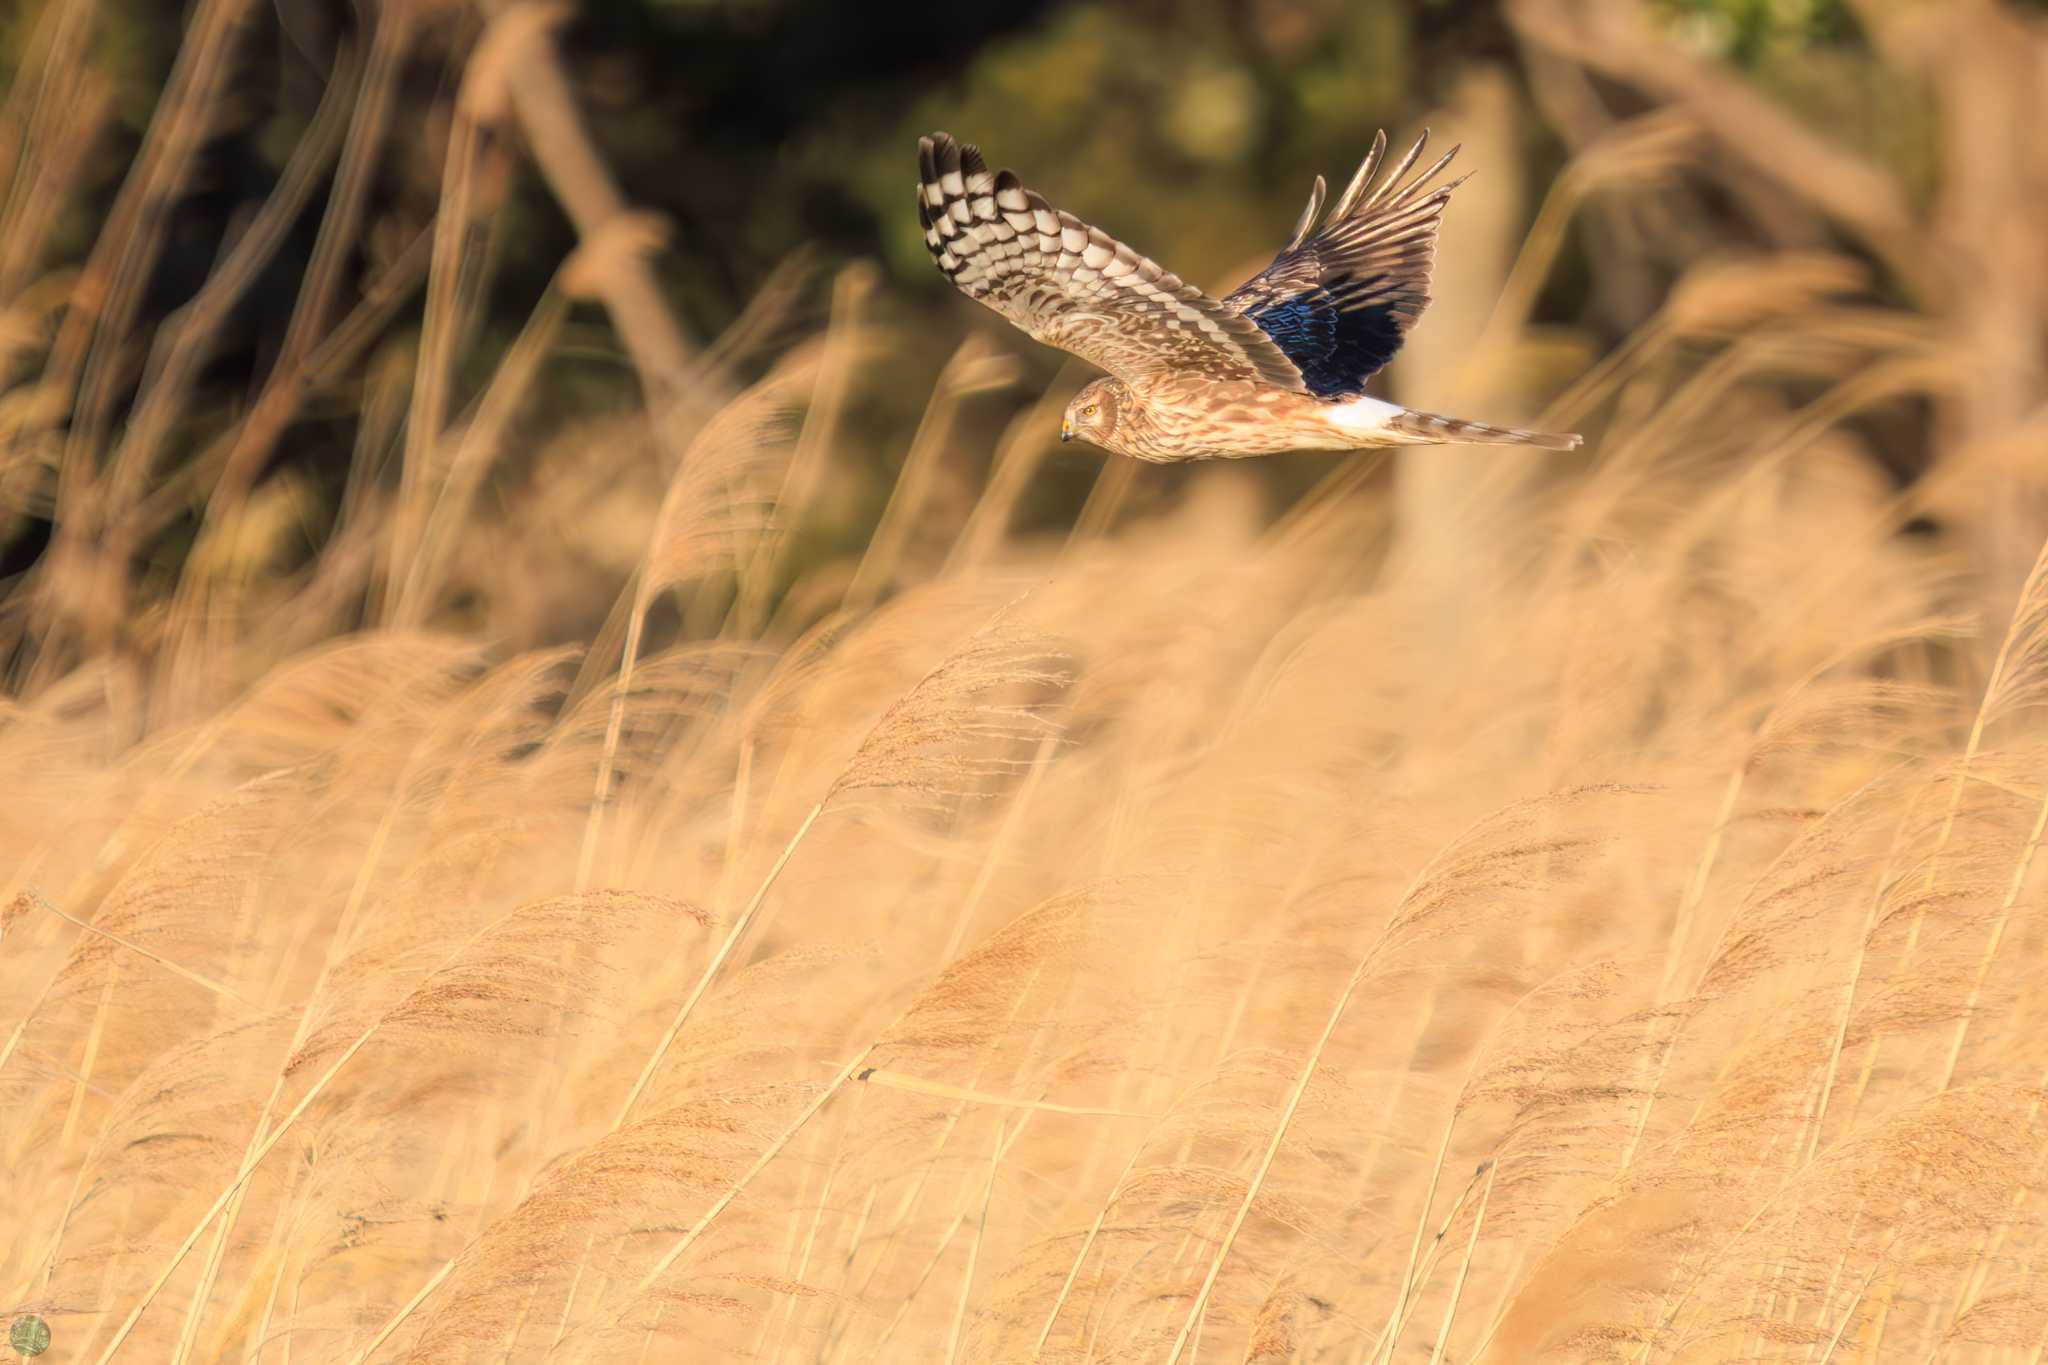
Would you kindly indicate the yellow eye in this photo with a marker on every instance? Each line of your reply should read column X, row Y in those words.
column 1088, row 411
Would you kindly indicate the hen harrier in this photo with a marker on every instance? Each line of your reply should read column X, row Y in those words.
column 1280, row 363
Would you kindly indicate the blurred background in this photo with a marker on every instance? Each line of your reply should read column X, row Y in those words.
column 221, row 217
column 582, row 777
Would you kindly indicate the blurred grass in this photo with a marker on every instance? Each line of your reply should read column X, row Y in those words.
column 609, row 792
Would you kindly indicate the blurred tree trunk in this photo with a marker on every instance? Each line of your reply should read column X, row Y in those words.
column 1986, row 60
column 1448, row 499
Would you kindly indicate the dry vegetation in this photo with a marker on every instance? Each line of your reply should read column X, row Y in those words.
column 1207, row 935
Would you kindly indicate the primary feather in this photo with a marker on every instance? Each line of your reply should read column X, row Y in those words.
column 1339, row 301
column 1074, row 286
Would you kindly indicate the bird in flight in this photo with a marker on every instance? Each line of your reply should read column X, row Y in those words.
column 1279, row 363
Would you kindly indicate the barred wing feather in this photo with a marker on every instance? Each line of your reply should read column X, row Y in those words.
column 1339, row 299
column 1074, row 286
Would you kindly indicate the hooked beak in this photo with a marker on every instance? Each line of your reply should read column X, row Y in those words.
column 1066, row 429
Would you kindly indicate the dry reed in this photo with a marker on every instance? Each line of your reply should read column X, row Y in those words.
column 1183, row 939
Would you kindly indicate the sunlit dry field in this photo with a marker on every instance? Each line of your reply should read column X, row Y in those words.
column 1589, row 913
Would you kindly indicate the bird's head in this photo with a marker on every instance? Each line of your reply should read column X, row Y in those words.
column 1092, row 415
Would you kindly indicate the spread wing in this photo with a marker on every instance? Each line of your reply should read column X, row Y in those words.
column 1340, row 300
column 1075, row 287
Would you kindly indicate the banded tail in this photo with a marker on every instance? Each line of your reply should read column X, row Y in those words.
column 1429, row 428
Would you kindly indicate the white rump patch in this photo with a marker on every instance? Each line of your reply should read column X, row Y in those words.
column 1363, row 414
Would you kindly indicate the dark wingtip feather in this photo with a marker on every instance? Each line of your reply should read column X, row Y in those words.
column 1362, row 177
column 1308, row 215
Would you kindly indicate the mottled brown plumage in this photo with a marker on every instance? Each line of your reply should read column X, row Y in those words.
column 1279, row 364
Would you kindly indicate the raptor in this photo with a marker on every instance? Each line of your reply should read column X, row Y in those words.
column 1279, row 363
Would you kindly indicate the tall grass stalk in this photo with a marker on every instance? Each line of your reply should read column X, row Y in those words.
column 1190, row 894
